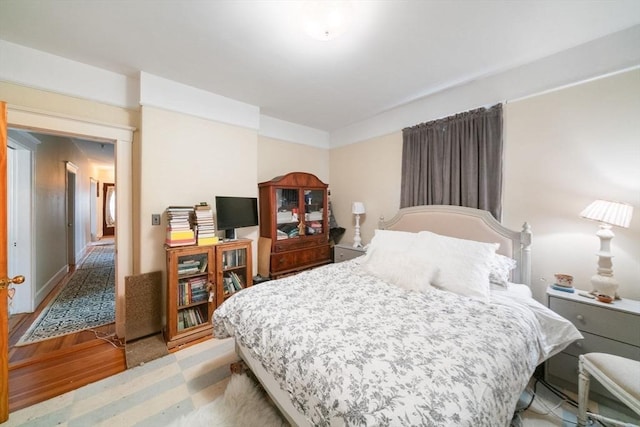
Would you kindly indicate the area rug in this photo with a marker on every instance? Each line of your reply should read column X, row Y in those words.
column 244, row 403
column 86, row 301
column 100, row 256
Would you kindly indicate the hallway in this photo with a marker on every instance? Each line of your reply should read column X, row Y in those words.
column 48, row 368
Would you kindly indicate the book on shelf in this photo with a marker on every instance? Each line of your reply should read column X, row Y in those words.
column 180, row 234
column 192, row 291
column 229, row 287
column 187, row 263
column 189, row 317
column 179, row 228
column 236, row 282
column 203, row 224
column 180, row 242
column 205, row 241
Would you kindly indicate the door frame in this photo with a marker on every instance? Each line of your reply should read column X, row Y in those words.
column 70, row 214
column 93, row 204
column 22, row 258
column 107, row 230
column 34, row 120
column 4, row 315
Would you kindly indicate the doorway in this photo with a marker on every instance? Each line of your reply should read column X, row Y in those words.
column 70, row 192
column 109, row 209
column 120, row 135
column 21, row 258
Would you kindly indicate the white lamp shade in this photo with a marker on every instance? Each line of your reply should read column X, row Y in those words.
column 357, row 208
column 614, row 213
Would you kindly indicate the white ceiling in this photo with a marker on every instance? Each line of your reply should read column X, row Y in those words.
column 256, row 52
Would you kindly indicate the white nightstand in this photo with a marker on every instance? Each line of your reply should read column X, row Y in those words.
column 607, row 328
column 346, row 251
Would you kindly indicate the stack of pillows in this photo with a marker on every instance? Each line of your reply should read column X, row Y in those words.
column 420, row 261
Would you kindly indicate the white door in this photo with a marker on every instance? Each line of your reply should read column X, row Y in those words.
column 19, row 189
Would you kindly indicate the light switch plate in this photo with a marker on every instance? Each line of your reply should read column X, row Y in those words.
column 155, row 219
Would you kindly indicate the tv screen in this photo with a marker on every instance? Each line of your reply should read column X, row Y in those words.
column 236, row 212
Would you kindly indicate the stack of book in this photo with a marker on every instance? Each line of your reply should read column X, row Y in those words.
column 232, row 283
column 192, row 266
column 203, row 222
column 192, row 291
column 179, row 231
column 190, row 317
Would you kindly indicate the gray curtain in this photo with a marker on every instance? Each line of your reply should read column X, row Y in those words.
column 454, row 161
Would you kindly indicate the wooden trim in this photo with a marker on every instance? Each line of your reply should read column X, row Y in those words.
column 4, row 314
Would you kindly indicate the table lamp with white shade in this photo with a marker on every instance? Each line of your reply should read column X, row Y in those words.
column 608, row 214
column 357, row 209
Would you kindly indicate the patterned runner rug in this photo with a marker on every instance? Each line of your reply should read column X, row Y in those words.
column 99, row 257
column 86, row 301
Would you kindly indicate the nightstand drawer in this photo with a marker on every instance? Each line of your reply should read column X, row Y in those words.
column 344, row 253
column 597, row 344
column 616, row 325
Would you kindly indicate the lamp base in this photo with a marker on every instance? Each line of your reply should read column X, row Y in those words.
column 357, row 241
column 606, row 285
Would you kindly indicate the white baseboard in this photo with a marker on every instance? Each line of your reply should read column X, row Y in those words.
column 42, row 293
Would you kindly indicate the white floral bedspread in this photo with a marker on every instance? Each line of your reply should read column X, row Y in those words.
column 352, row 350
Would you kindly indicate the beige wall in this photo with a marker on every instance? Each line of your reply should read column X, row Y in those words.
column 67, row 105
column 186, row 160
column 563, row 150
column 49, row 211
column 277, row 157
column 367, row 172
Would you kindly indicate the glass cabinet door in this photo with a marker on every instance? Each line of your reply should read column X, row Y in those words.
column 313, row 211
column 287, row 213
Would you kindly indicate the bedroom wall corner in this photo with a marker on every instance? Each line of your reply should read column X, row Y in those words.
column 564, row 149
column 278, row 157
column 368, row 172
column 186, row 160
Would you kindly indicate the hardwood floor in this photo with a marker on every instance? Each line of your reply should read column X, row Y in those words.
column 46, row 369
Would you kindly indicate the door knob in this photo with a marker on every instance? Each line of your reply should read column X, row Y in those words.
column 6, row 281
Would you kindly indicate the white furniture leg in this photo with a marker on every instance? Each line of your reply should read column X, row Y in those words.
column 583, row 393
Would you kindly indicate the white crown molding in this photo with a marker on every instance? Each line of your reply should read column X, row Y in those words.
column 42, row 70
column 170, row 95
column 292, row 132
column 598, row 58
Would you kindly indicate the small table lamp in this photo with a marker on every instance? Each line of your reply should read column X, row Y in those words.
column 608, row 213
column 357, row 209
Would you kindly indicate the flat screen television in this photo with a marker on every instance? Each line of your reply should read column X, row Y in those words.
column 235, row 212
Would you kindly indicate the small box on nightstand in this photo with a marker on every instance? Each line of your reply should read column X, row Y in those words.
column 346, row 251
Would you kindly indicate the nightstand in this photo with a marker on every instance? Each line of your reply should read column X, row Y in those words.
column 346, row 251
column 607, row 328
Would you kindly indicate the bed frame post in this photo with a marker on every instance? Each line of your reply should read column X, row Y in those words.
column 525, row 238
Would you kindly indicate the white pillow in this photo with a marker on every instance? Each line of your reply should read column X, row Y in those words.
column 393, row 258
column 500, row 270
column 463, row 264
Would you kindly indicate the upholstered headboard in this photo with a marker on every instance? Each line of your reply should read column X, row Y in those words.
column 468, row 223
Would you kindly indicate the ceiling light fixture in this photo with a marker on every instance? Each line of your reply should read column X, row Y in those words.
column 326, row 20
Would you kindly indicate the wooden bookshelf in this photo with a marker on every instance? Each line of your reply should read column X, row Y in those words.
column 191, row 296
column 196, row 278
column 234, row 268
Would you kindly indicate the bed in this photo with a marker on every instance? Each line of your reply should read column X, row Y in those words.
column 430, row 327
